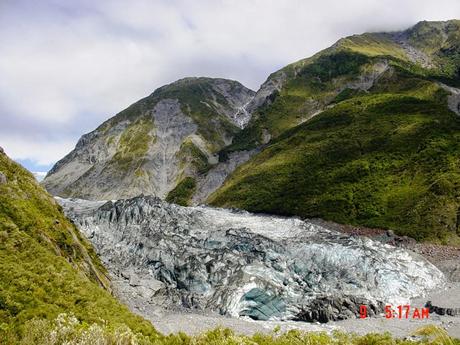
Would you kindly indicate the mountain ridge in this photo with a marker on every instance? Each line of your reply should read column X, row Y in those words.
column 415, row 68
column 354, row 179
column 154, row 144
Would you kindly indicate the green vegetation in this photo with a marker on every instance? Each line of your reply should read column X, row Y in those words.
column 314, row 83
column 372, row 45
column 313, row 87
column 67, row 330
column 183, row 192
column 190, row 154
column 386, row 159
column 46, row 267
column 133, row 144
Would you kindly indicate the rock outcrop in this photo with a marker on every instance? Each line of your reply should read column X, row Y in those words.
column 240, row 264
column 442, row 310
column 3, row 179
column 155, row 143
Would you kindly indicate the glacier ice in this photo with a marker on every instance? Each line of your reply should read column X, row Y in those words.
column 242, row 264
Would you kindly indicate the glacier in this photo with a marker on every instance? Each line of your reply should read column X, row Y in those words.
column 246, row 265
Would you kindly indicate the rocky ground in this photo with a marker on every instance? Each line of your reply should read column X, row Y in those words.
column 194, row 322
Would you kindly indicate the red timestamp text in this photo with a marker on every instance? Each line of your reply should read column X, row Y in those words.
column 399, row 312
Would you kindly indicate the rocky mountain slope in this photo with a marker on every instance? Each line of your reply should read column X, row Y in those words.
column 156, row 146
column 350, row 67
column 46, row 266
column 240, row 264
column 366, row 132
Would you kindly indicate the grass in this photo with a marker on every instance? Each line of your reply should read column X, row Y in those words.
column 315, row 82
column 134, row 143
column 183, row 192
column 190, row 154
column 313, row 87
column 46, row 266
column 387, row 157
column 372, row 45
column 66, row 329
column 53, row 288
column 387, row 160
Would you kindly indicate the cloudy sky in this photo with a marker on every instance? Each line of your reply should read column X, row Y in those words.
column 66, row 66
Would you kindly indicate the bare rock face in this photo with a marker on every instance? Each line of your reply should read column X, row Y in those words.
column 210, row 182
column 154, row 144
column 267, row 91
column 453, row 100
column 3, row 179
column 240, row 264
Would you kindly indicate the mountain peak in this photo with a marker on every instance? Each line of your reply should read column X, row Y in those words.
column 157, row 144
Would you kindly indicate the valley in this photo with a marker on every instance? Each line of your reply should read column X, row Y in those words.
column 206, row 204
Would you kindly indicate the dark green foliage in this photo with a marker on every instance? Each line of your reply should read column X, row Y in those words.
column 330, row 66
column 189, row 152
column 183, row 192
column 346, row 94
column 382, row 160
column 387, row 157
column 311, row 88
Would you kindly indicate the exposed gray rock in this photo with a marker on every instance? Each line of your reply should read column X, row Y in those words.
column 442, row 310
column 216, row 176
column 153, row 144
column 267, row 91
column 242, row 116
column 453, row 100
column 450, row 268
column 3, row 179
column 237, row 99
column 365, row 81
column 172, row 127
column 414, row 54
column 240, row 264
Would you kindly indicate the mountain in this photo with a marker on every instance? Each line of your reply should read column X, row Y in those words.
column 157, row 146
column 46, row 266
column 366, row 132
column 301, row 90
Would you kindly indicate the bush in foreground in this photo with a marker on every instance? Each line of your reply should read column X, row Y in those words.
column 66, row 329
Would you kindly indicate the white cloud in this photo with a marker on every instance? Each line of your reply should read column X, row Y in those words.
column 41, row 152
column 67, row 66
column 39, row 175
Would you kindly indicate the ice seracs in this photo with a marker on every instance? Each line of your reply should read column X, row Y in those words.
column 241, row 264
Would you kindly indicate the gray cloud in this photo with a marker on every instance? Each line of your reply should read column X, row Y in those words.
column 67, row 66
